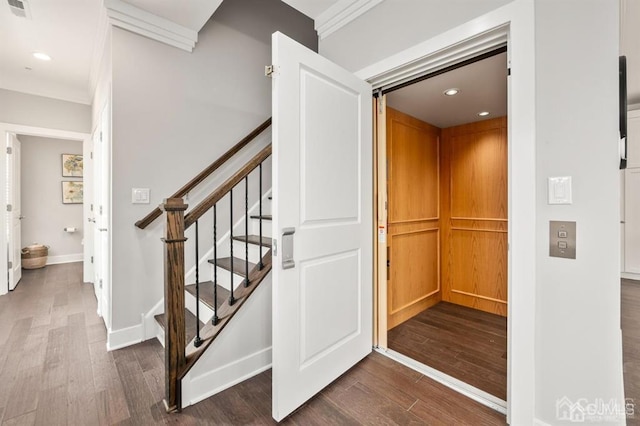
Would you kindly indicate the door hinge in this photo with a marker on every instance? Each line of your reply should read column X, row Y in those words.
column 9, row 150
column 10, row 265
column 100, row 209
column 100, row 282
column 91, row 259
column 269, row 70
column 9, row 207
column 101, row 136
column 91, row 155
column 91, row 207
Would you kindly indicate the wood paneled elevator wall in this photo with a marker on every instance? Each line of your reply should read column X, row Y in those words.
column 447, row 215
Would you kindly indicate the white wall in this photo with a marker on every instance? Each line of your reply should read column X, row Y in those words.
column 577, row 333
column 38, row 111
column 578, row 346
column 45, row 215
column 395, row 25
column 173, row 113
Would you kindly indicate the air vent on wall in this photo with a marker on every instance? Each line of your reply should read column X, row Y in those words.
column 20, row 8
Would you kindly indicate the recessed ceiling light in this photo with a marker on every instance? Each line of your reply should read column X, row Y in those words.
column 483, row 113
column 41, row 56
column 451, row 92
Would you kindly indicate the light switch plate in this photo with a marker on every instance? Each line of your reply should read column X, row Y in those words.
column 560, row 190
column 560, row 246
column 140, row 195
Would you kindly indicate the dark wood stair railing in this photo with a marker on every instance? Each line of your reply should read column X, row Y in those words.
column 189, row 186
column 180, row 354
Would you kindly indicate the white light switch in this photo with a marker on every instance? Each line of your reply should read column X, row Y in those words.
column 140, row 195
column 560, row 190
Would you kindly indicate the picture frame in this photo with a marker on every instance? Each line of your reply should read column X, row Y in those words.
column 72, row 192
column 72, row 165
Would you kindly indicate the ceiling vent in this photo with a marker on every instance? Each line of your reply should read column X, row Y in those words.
column 20, row 8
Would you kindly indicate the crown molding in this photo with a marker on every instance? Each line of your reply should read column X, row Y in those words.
column 340, row 14
column 131, row 18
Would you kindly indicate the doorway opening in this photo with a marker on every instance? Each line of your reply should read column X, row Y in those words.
column 443, row 148
column 19, row 141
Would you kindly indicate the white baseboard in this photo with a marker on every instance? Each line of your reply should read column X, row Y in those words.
column 630, row 276
column 199, row 388
column 65, row 258
column 124, row 337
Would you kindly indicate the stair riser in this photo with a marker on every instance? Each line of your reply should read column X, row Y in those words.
column 206, row 313
column 224, row 278
column 254, row 227
column 254, row 251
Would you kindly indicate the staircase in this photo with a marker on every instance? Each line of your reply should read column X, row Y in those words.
column 195, row 314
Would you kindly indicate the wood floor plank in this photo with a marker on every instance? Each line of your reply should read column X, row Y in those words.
column 23, row 395
column 370, row 407
column 25, row 419
column 464, row 343
column 52, row 407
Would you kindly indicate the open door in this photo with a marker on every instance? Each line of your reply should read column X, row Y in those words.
column 15, row 215
column 101, row 215
column 322, row 211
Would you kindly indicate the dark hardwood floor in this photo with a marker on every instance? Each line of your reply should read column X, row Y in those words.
column 630, row 324
column 464, row 343
column 55, row 370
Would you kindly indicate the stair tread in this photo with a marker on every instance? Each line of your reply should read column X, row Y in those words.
column 189, row 321
column 264, row 216
column 239, row 266
column 206, row 293
column 254, row 239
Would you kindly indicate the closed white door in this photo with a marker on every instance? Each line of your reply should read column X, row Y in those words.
column 322, row 202
column 15, row 229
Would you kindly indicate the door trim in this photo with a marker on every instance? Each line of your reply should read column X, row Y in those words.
column 512, row 24
column 5, row 129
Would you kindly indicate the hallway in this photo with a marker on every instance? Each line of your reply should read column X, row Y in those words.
column 55, row 370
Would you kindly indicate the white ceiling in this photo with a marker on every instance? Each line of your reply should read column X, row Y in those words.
column 68, row 29
column 64, row 29
column 482, row 85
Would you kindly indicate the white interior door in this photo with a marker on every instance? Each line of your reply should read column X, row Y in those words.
column 87, row 209
column 322, row 187
column 13, row 180
column 101, row 210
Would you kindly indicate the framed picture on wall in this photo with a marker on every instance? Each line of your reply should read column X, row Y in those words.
column 72, row 165
column 72, row 192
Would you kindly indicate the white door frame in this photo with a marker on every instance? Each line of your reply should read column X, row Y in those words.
column 5, row 129
column 513, row 23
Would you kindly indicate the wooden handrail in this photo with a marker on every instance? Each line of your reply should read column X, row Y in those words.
column 157, row 212
column 223, row 189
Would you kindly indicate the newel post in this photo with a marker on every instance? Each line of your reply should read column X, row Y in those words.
column 174, row 336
